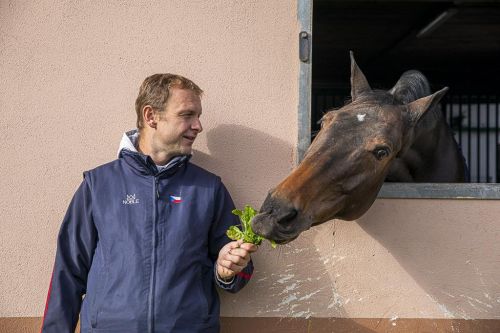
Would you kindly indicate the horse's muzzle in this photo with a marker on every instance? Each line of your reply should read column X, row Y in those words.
column 278, row 220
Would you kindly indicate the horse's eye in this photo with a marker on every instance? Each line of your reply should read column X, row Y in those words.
column 381, row 153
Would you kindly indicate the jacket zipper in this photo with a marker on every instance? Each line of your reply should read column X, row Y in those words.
column 156, row 196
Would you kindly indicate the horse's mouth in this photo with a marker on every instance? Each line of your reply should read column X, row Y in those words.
column 282, row 239
column 286, row 241
column 268, row 227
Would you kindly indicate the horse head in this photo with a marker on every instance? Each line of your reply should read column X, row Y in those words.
column 346, row 164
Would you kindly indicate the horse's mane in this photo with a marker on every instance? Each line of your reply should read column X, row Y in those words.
column 411, row 86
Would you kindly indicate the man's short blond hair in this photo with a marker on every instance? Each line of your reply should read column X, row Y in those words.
column 155, row 91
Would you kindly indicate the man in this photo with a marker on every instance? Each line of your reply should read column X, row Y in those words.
column 144, row 237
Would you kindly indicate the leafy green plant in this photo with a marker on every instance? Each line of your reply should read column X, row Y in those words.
column 246, row 233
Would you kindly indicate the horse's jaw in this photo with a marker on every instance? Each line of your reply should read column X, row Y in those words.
column 267, row 226
column 280, row 221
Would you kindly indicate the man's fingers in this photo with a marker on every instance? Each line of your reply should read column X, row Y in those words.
column 232, row 245
column 240, row 244
column 223, row 268
column 228, row 264
column 235, row 256
column 249, row 247
column 236, row 259
column 239, row 252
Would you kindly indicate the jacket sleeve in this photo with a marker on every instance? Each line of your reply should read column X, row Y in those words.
column 223, row 219
column 75, row 248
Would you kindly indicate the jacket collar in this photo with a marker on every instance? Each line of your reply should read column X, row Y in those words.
column 144, row 163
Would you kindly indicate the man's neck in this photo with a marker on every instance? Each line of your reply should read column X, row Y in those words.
column 146, row 147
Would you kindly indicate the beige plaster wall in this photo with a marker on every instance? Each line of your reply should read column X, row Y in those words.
column 403, row 259
column 70, row 73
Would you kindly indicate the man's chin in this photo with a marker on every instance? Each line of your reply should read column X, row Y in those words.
column 186, row 150
column 179, row 151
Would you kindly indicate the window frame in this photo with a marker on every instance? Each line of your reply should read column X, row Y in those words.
column 483, row 191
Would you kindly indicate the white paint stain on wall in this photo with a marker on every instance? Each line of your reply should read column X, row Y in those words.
column 336, row 300
column 472, row 301
column 299, row 295
column 286, row 278
column 289, row 288
column 288, row 299
column 444, row 310
column 393, row 320
column 331, row 259
column 309, row 295
column 447, row 313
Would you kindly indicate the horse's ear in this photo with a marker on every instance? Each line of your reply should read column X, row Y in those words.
column 417, row 108
column 359, row 84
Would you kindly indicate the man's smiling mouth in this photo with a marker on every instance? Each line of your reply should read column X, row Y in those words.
column 190, row 138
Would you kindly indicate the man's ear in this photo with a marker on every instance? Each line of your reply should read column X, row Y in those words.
column 149, row 116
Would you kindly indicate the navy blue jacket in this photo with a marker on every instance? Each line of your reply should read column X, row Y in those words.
column 140, row 248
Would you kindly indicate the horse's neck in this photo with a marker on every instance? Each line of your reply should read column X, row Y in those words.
column 434, row 155
column 430, row 135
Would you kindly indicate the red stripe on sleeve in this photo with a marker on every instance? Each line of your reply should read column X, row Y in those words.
column 47, row 301
column 244, row 275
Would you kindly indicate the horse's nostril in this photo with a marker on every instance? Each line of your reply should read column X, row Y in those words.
column 286, row 216
column 291, row 214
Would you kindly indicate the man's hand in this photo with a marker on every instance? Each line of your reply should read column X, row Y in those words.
column 233, row 257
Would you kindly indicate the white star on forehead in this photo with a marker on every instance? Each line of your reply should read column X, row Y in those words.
column 361, row 117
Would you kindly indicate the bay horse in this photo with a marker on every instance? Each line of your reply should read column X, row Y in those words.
column 395, row 135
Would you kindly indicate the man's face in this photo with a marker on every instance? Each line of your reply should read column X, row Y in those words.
column 179, row 124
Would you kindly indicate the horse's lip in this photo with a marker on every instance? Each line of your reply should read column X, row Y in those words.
column 285, row 241
column 279, row 233
column 281, row 239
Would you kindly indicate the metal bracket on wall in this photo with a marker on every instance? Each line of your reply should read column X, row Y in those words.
column 304, row 46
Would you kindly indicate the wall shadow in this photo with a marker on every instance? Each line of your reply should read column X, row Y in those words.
column 292, row 280
column 453, row 256
column 292, row 286
column 249, row 161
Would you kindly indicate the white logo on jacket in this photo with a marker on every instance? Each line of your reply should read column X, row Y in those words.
column 131, row 199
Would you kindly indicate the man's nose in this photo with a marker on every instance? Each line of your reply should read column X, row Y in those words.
column 197, row 125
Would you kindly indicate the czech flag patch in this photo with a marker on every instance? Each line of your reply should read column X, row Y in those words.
column 174, row 199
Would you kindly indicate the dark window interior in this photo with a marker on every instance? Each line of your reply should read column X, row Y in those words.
column 454, row 43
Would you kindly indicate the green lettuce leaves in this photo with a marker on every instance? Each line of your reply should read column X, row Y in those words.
column 246, row 233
